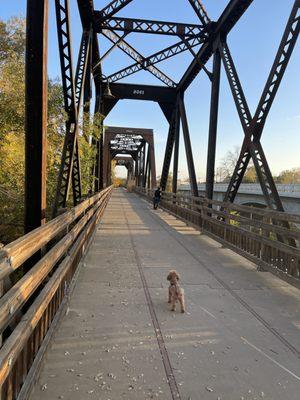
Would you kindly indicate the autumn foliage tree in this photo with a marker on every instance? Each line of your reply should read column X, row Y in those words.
column 12, row 97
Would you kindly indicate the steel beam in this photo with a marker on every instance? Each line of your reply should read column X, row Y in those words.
column 82, row 65
column 188, row 148
column 213, row 124
column 70, row 163
column 168, row 152
column 152, row 163
column 232, row 13
column 113, row 7
column 128, row 91
column 201, row 12
column 135, row 55
column 36, row 82
column 176, row 149
column 253, row 127
column 146, row 26
column 162, row 55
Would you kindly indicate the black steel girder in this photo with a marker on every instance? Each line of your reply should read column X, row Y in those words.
column 113, row 7
column 201, row 12
column 86, row 12
column 253, row 127
column 73, row 92
column 146, row 26
column 150, row 61
column 232, row 13
column 36, row 85
column 135, row 55
column 142, row 92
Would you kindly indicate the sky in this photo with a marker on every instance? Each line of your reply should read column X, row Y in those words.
column 253, row 43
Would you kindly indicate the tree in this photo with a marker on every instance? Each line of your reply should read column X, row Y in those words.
column 227, row 166
column 250, row 175
column 289, row 176
column 12, row 118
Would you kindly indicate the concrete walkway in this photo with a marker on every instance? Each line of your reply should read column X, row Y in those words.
column 240, row 337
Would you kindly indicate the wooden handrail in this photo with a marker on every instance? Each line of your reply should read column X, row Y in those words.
column 16, row 253
column 34, row 325
column 17, row 296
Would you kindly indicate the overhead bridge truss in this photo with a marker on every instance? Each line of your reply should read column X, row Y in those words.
column 138, row 145
column 202, row 40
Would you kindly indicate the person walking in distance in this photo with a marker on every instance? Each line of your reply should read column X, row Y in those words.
column 157, row 197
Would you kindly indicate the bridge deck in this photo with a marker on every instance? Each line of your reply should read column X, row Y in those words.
column 118, row 340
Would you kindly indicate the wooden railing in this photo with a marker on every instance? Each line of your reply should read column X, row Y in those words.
column 268, row 238
column 30, row 309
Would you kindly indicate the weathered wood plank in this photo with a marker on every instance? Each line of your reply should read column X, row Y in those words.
column 16, row 253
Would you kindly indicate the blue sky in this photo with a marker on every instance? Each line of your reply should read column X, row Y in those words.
column 253, row 43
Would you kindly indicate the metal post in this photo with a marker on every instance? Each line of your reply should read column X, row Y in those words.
column 188, row 149
column 213, row 124
column 176, row 151
column 136, row 171
column 152, row 165
column 36, row 113
column 147, row 170
column 144, row 165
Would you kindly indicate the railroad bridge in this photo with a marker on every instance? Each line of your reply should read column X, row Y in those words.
column 86, row 315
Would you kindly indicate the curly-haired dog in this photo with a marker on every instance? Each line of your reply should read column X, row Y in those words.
column 175, row 291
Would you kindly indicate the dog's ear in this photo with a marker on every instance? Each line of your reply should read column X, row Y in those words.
column 177, row 276
column 169, row 277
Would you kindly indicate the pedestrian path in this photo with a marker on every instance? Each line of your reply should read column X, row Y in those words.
column 118, row 339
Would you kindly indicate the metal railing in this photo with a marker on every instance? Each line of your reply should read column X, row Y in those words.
column 270, row 239
column 31, row 307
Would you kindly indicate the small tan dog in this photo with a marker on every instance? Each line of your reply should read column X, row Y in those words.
column 175, row 291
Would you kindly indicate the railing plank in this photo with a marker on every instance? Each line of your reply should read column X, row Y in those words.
column 16, row 253
column 22, row 346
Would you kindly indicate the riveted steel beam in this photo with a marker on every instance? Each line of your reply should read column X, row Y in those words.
column 140, row 60
column 231, row 15
column 200, row 11
column 113, row 7
column 36, row 113
column 149, row 62
column 146, row 26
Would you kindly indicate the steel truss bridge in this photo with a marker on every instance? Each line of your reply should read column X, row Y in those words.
column 39, row 271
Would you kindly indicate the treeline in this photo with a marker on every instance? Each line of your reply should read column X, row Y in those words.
column 12, row 68
column 228, row 163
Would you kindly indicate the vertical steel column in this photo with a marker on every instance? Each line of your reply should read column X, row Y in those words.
column 176, row 150
column 152, row 163
column 188, row 148
column 147, row 169
column 213, row 125
column 140, row 179
column 169, row 150
column 144, row 165
column 136, row 170
column 36, row 113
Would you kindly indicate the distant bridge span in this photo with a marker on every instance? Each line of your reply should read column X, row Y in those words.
column 251, row 194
